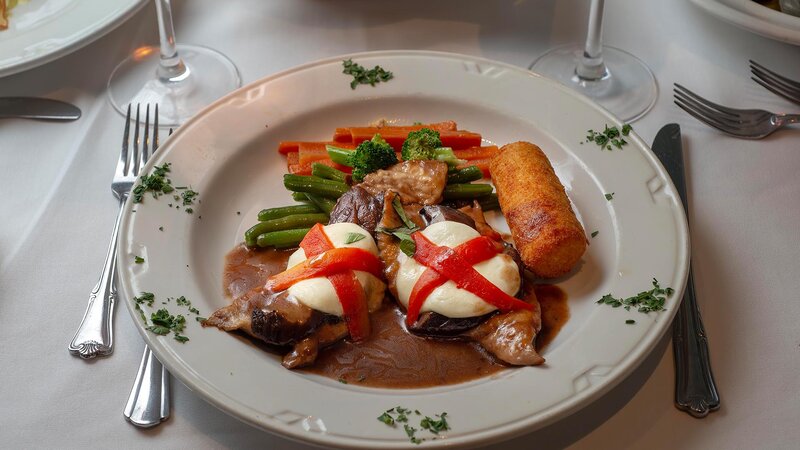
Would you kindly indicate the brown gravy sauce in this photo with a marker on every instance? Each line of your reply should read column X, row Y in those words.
column 392, row 357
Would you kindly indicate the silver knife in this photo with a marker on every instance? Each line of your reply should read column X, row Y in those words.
column 37, row 108
column 695, row 390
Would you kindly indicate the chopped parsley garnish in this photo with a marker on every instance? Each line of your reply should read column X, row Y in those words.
column 138, row 259
column 188, row 196
column 630, row 321
column 181, row 301
column 160, row 228
column 363, row 76
column 189, row 210
column 145, row 298
column 595, row 233
column 200, row 319
column 386, row 418
column 156, row 183
column 644, row 302
column 398, row 414
column 353, row 237
column 435, row 426
column 609, row 137
column 342, row 380
column 164, row 322
column 610, row 196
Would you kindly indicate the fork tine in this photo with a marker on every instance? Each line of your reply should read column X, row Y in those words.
column 123, row 156
column 145, row 138
column 705, row 119
column 135, row 153
column 723, row 109
column 795, row 85
column 775, row 80
column 708, row 112
column 775, row 90
column 154, row 144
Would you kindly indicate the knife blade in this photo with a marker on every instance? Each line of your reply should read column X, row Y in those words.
column 695, row 389
column 37, row 108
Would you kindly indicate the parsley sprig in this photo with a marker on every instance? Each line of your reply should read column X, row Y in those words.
column 610, row 136
column 645, row 301
column 363, row 76
column 398, row 415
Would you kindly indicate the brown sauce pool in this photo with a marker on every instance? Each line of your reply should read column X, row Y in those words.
column 392, row 357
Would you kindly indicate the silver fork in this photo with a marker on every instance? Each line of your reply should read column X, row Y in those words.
column 95, row 335
column 743, row 123
column 775, row 83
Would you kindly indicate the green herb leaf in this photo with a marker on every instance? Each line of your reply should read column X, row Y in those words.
column 363, row 76
column 386, row 418
column 401, row 212
column 188, row 197
column 342, row 380
column 145, row 297
column 435, row 426
column 180, row 338
column 610, row 196
column 158, row 329
column 595, row 233
column 353, row 237
column 138, row 259
column 630, row 321
column 626, row 129
column 200, row 319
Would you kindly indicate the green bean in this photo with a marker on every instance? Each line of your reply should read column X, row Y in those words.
column 328, row 172
column 300, row 197
column 314, row 185
column 283, row 211
column 465, row 175
column 466, row 191
column 282, row 239
column 324, row 204
column 339, row 155
column 283, row 223
column 489, row 203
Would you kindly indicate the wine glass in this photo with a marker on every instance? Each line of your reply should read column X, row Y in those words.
column 617, row 80
column 182, row 79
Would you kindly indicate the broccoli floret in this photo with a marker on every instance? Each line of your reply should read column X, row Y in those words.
column 426, row 144
column 370, row 156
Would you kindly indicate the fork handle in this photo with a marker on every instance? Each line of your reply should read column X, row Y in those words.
column 148, row 403
column 695, row 390
column 95, row 336
column 786, row 119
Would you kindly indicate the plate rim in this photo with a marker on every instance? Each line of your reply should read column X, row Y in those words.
column 757, row 24
column 560, row 410
column 89, row 35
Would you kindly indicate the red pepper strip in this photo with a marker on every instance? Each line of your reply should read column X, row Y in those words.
column 349, row 291
column 332, row 261
column 447, row 262
column 473, row 251
column 354, row 303
column 316, row 241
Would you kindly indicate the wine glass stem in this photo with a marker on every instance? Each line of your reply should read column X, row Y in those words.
column 590, row 65
column 171, row 67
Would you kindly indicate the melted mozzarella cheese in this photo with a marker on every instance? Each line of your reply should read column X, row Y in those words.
column 318, row 293
column 447, row 299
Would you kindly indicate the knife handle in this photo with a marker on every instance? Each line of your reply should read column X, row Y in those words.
column 695, row 390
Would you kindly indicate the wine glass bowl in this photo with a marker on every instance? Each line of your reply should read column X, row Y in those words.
column 614, row 78
column 181, row 78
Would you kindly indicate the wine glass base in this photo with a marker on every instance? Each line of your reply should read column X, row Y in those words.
column 628, row 90
column 209, row 76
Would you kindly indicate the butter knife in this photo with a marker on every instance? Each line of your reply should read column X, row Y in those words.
column 37, row 108
column 695, row 390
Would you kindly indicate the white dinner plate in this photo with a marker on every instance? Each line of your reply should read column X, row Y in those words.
column 754, row 17
column 40, row 31
column 228, row 154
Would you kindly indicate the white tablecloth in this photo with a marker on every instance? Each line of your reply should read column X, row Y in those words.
column 56, row 212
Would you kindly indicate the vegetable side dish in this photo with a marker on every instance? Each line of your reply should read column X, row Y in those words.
column 388, row 274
